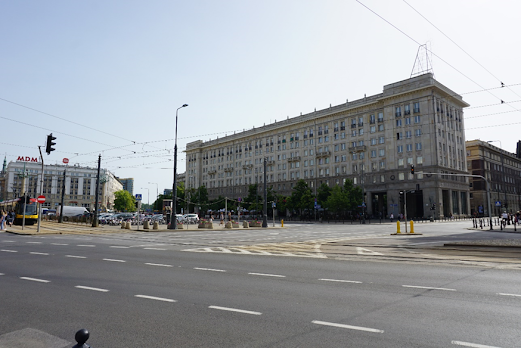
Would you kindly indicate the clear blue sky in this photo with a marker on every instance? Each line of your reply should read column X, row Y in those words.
column 105, row 77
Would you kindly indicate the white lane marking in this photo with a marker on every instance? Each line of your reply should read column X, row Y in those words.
column 89, row 288
column 119, row 247
column 37, row 253
column 153, row 249
column 34, row 242
column 474, row 345
column 8, row 241
column 427, row 287
column 36, row 280
column 59, row 244
column 343, row 326
column 86, row 245
column 156, row 298
column 235, row 310
column 341, row 281
column 503, row 294
column 76, row 257
column 114, row 260
column 2, row 274
column 268, row 275
column 9, row 251
column 209, row 269
column 158, row 264
column 363, row 251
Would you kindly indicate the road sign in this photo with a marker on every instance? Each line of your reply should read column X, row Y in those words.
column 363, row 204
column 139, row 196
column 239, row 199
column 41, row 199
column 498, row 204
column 273, row 205
column 65, row 160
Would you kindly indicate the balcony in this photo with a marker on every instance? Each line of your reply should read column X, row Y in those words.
column 229, row 169
column 294, row 159
column 247, row 166
column 323, row 154
column 357, row 148
column 380, row 120
column 343, row 128
column 212, row 172
column 319, row 132
column 270, row 163
column 353, row 125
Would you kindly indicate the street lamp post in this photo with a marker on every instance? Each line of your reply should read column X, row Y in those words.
column 173, row 222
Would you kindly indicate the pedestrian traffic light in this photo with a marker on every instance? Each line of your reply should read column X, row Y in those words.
column 49, row 147
column 412, row 168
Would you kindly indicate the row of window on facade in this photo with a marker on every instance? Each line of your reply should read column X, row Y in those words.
column 407, row 109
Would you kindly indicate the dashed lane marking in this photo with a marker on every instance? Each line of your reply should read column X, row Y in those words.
column 114, row 260
column 89, row 288
column 473, row 345
column 37, row 253
column 9, row 251
column 76, row 257
column 267, row 275
column 427, row 288
column 504, row 294
column 343, row 326
column 235, row 310
column 209, row 269
column 157, row 264
column 341, row 281
column 36, row 280
column 156, row 298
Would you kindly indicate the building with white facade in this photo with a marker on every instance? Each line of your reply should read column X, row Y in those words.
column 372, row 141
column 80, row 184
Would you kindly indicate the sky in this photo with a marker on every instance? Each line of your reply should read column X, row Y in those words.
column 106, row 77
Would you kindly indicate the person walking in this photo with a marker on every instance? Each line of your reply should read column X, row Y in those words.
column 2, row 220
column 10, row 218
column 391, row 217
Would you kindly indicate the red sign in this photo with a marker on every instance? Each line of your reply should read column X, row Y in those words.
column 41, row 199
column 65, row 160
column 27, row 159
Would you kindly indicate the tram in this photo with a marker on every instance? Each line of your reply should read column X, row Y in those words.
column 17, row 205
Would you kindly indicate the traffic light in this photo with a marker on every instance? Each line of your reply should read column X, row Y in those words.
column 49, row 147
column 412, row 168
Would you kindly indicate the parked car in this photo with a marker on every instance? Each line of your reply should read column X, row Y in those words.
column 190, row 218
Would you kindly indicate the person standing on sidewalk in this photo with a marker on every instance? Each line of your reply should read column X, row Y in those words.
column 10, row 218
column 3, row 216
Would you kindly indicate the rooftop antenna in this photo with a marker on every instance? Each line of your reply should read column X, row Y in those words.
column 423, row 62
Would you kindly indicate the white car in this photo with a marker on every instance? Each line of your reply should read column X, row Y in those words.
column 190, row 218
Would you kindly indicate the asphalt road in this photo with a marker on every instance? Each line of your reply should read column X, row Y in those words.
column 143, row 290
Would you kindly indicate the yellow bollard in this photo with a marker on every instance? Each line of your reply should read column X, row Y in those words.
column 281, row 223
column 398, row 226
column 412, row 226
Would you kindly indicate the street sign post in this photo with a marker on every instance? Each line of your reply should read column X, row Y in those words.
column 41, row 199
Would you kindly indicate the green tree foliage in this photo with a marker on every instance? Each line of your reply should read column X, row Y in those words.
column 124, row 201
column 323, row 193
column 301, row 197
column 354, row 195
column 337, row 200
column 253, row 201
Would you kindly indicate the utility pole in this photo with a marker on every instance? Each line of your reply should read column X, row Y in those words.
column 41, row 193
column 265, row 204
column 95, row 222
column 63, row 196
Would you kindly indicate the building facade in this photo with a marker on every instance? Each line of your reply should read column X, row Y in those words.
column 503, row 171
column 372, row 141
column 80, row 184
column 128, row 185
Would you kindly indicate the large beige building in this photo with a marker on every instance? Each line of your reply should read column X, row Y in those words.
column 503, row 171
column 372, row 141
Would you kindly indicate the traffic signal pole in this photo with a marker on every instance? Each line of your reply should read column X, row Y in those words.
column 41, row 193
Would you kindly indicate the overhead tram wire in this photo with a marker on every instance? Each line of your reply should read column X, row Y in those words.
column 468, row 54
column 440, row 58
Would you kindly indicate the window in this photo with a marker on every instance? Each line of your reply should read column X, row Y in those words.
column 381, row 152
column 398, row 111
column 361, row 155
column 409, row 147
column 361, row 131
column 372, row 119
column 381, row 140
column 373, row 141
column 417, row 119
column 320, row 140
column 380, row 127
column 380, row 117
column 408, row 134
column 418, row 146
column 407, row 120
column 409, row 160
column 372, row 129
column 407, row 109
column 326, row 138
column 400, row 148
column 418, row 132
column 399, row 136
column 382, row 165
column 354, row 157
column 400, row 162
column 401, row 176
column 398, row 123
column 373, row 153
column 416, row 107
column 353, row 133
column 419, row 160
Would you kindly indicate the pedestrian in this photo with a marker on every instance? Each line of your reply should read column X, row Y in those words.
column 2, row 220
column 391, row 217
column 10, row 218
column 222, row 219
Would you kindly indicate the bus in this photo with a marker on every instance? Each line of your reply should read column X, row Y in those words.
column 17, row 205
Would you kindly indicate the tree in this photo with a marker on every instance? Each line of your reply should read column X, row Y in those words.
column 337, row 201
column 323, row 193
column 124, row 201
column 354, row 194
column 301, row 197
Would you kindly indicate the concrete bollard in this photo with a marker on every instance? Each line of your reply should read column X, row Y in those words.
column 127, row 225
column 123, row 224
column 156, row 225
column 245, row 224
column 146, row 225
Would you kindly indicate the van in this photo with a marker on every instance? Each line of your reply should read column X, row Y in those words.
column 71, row 211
